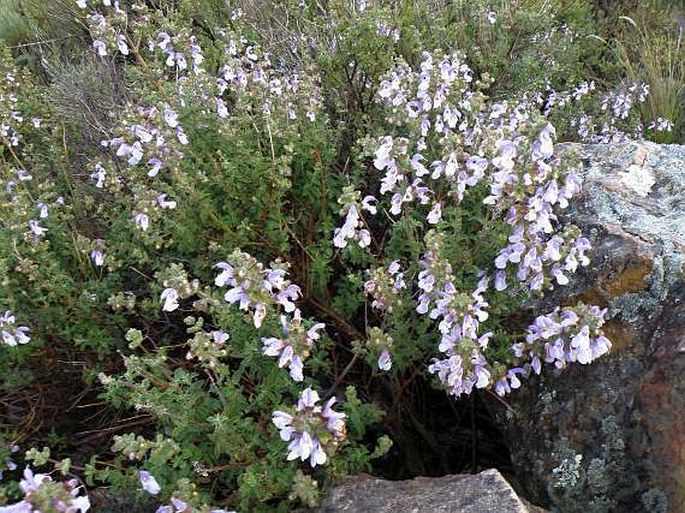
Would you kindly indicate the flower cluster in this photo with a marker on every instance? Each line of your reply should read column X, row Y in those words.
column 248, row 70
column 41, row 493
column 176, row 505
column 11, row 334
column 560, row 337
column 380, row 343
column 154, row 138
column 384, row 286
column 176, row 59
column 465, row 365
column 539, row 259
column 177, row 286
column 149, row 205
column 207, row 347
column 607, row 117
column 443, row 112
column 566, row 336
column 107, row 30
column 11, row 117
column 313, row 431
column 255, row 287
column 353, row 228
column 295, row 345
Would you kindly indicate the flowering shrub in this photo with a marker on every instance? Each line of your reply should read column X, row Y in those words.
column 41, row 493
column 306, row 209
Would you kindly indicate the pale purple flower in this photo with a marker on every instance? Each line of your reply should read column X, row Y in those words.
column 286, row 297
column 170, row 297
column 304, row 430
column 142, row 221
column 238, row 295
column 135, row 152
column 259, row 315
column 181, row 136
column 7, row 318
column 348, row 229
column 500, row 281
column 600, row 346
column 100, row 175
column 100, row 47
column 97, row 257
column 368, row 204
column 20, row 335
column 543, row 147
column 142, row 133
column 43, row 209
column 580, row 346
column 225, row 277
column 384, row 360
column 19, row 507
column 36, row 229
column 164, row 203
column 363, row 238
column 149, row 483
column 156, row 166
column 170, row 117
column 31, row 482
column 24, row 176
column 435, row 214
column 121, row 44
column 163, row 40
column 220, row 337
column 335, row 421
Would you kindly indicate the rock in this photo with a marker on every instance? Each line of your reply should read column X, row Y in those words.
column 610, row 436
column 487, row 492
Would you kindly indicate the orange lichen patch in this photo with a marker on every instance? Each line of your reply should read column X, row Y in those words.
column 630, row 280
column 621, row 336
column 589, row 297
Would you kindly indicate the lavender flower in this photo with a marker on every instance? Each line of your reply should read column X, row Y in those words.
column 164, row 203
column 142, row 221
column 12, row 335
column 384, row 360
column 295, row 345
column 36, row 228
column 39, row 487
column 254, row 287
column 149, row 483
column 565, row 336
column 122, row 45
column 311, row 430
column 385, row 287
column 170, row 297
column 100, row 47
column 97, row 257
column 171, row 117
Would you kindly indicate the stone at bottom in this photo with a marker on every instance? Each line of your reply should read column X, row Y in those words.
column 486, row 492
